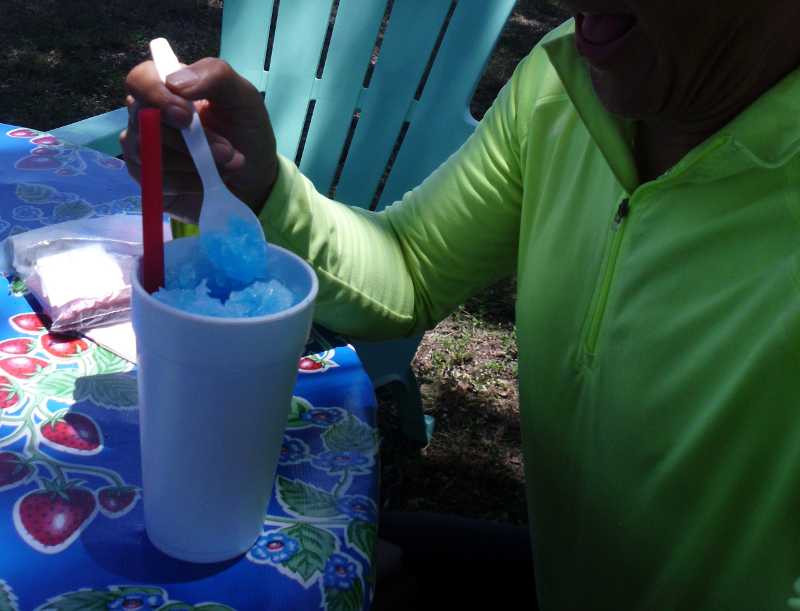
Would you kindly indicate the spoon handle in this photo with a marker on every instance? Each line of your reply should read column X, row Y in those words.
column 197, row 143
column 195, row 137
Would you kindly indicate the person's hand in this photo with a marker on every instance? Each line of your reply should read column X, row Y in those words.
column 236, row 122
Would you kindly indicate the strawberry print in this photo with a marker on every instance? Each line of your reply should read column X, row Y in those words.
column 112, row 163
column 47, row 151
column 18, row 345
column 22, row 132
column 50, row 520
column 27, row 323
column 317, row 363
column 116, row 501
column 13, row 470
column 23, row 367
column 9, row 396
column 62, row 346
column 37, row 162
column 73, row 432
column 308, row 364
column 46, row 140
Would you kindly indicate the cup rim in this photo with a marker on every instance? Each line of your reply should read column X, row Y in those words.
column 232, row 320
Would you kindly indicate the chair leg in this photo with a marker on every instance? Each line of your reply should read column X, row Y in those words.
column 415, row 425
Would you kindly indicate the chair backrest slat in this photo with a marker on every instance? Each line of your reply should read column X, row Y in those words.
column 322, row 110
column 299, row 36
column 243, row 44
column 409, row 40
column 337, row 92
column 442, row 120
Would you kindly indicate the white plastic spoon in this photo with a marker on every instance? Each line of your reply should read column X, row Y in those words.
column 219, row 204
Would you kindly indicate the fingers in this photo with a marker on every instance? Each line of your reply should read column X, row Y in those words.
column 146, row 89
column 129, row 139
column 184, row 207
column 174, row 182
column 227, row 104
column 214, row 80
column 183, row 193
column 176, row 156
column 209, row 79
column 182, row 186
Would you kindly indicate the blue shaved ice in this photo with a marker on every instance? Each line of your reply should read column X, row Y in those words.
column 227, row 277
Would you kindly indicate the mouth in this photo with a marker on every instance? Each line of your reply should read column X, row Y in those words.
column 600, row 37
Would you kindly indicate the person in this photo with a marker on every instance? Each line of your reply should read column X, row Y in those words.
column 640, row 174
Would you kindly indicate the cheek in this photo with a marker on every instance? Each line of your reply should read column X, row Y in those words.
column 698, row 63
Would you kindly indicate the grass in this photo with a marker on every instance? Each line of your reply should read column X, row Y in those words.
column 467, row 370
column 64, row 61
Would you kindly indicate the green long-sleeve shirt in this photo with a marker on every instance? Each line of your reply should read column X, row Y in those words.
column 659, row 351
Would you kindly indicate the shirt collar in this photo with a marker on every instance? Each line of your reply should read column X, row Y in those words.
column 769, row 129
column 766, row 134
column 611, row 133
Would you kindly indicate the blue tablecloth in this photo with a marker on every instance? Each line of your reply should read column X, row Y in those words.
column 71, row 525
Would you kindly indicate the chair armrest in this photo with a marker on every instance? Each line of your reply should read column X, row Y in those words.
column 100, row 132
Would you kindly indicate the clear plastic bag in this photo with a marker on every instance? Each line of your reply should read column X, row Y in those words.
column 78, row 271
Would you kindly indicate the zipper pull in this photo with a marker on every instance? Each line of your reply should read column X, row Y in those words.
column 622, row 211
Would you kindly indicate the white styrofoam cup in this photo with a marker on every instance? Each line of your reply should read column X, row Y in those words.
column 214, row 396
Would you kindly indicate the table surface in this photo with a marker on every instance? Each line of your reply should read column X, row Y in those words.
column 71, row 525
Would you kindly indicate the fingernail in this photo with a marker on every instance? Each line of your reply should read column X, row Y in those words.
column 177, row 115
column 185, row 77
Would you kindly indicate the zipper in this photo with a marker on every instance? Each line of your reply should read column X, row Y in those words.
column 600, row 301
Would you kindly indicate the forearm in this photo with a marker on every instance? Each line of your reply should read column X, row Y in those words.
column 400, row 271
column 365, row 289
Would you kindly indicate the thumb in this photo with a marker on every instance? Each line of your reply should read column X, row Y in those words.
column 214, row 80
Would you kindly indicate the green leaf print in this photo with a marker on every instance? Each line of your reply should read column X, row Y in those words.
column 70, row 211
column 8, row 601
column 112, row 390
column 351, row 435
column 306, row 500
column 59, row 384
column 120, row 591
column 108, row 362
column 362, row 536
column 36, row 194
column 82, row 600
column 345, row 600
column 298, row 407
column 17, row 288
column 316, row 546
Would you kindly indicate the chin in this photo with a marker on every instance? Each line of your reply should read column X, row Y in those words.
column 618, row 99
column 630, row 98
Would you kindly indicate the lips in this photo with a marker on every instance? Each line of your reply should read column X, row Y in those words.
column 601, row 38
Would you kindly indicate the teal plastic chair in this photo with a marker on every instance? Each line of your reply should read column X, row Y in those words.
column 366, row 119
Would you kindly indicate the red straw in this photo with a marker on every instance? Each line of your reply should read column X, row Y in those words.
column 152, row 199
